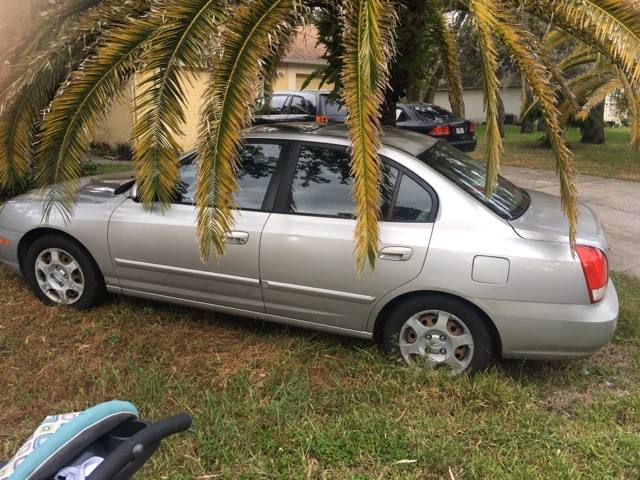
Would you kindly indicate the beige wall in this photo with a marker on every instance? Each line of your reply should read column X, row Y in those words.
column 291, row 76
column 118, row 125
column 474, row 102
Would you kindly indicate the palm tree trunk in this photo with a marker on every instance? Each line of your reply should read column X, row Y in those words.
column 593, row 128
column 389, row 108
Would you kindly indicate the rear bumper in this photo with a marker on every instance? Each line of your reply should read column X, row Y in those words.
column 553, row 331
column 467, row 145
column 9, row 249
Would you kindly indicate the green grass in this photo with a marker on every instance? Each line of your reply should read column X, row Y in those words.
column 113, row 168
column 274, row 402
column 614, row 159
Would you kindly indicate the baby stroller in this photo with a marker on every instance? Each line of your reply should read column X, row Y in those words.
column 106, row 442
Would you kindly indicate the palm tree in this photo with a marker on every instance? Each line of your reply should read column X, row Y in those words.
column 79, row 64
column 588, row 78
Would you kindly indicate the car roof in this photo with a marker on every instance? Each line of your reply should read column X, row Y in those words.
column 409, row 142
column 301, row 92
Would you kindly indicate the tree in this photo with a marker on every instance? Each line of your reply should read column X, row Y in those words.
column 592, row 129
column 585, row 79
column 76, row 66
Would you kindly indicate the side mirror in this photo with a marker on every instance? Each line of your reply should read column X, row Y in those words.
column 133, row 193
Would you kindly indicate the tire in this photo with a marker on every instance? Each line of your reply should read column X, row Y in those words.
column 61, row 272
column 435, row 330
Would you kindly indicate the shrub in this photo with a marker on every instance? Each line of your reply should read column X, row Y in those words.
column 123, row 151
column 101, row 149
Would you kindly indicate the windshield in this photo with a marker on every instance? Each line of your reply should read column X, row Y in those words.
column 508, row 201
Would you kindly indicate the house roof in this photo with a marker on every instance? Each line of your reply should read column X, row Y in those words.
column 305, row 47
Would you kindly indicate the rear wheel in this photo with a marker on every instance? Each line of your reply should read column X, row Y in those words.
column 61, row 272
column 435, row 331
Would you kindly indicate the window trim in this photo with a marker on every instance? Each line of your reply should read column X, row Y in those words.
column 289, row 171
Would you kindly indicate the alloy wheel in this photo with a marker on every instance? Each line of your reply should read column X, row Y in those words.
column 59, row 276
column 435, row 338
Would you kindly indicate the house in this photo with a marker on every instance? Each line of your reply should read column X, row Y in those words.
column 511, row 93
column 303, row 57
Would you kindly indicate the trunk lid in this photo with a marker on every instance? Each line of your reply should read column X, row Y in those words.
column 545, row 220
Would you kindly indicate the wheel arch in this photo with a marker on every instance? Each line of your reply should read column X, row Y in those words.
column 32, row 235
column 384, row 313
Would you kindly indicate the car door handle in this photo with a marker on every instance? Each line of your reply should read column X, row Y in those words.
column 396, row 254
column 237, row 238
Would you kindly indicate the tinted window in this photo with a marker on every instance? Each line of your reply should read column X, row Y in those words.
column 400, row 116
column 413, row 203
column 322, row 183
column 431, row 111
column 259, row 162
column 299, row 106
column 275, row 106
column 507, row 201
column 333, row 108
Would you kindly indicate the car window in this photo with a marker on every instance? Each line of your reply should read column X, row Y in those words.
column 276, row 106
column 299, row 106
column 431, row 111
column 413, row 203
column 400, row 116
column 322, row 184
column 470, row 175
column 333, row 108
column 259, row 162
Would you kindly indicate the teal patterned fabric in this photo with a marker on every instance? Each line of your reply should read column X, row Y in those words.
column 47, row 428
column 60, row 438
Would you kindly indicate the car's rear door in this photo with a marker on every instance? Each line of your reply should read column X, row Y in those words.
column 307, row 262
column 157, row 253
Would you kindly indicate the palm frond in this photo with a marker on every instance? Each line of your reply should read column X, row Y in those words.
column 486, row 24
column 29, row 89
column 48, row 27
column 611, row 26
column 449, row 57
column 80, row 105
column 253, row 35
column 172, row 55
column 581, row 57
column 369, row 46
column 598, row 96
column 523, row 49
column 634, row 106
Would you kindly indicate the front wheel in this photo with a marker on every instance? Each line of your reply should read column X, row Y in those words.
column 436, row 331
column 61, row 272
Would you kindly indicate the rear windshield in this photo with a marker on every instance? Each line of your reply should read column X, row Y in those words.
column 430, row 111
column 508, row 201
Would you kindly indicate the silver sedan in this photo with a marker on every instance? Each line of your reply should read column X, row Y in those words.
column 461, row 278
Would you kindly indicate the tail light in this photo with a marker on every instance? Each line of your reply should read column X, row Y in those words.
column 596, row 271
column 472, row 128
column 440, row 131
column 322, row 119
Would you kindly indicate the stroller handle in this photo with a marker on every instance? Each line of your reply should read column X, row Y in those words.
column 141, row 445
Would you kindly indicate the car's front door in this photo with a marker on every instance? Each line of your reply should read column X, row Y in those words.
column 307, row 262
column 158, row 252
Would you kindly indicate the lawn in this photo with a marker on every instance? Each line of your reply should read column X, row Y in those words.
column 275, row 402
column 113, row 168
column 614, row 159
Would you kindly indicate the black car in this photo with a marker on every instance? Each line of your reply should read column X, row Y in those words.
column 317, row 106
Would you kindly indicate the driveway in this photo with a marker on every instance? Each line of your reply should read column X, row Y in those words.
column 616, row 202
